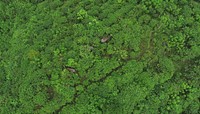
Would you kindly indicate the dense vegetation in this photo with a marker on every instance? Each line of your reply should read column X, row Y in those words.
column 53, row 59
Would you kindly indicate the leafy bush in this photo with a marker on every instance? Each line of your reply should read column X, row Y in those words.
column 53, row 60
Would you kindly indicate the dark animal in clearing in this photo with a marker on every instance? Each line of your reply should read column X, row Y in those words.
column 71, row 69
column 105, row 39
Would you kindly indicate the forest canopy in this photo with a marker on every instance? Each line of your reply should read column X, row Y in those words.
column 99, row 56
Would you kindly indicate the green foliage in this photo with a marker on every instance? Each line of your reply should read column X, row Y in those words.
column 52, row 60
